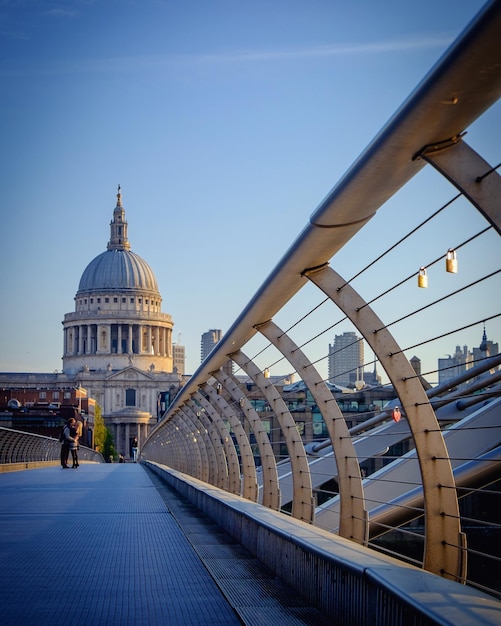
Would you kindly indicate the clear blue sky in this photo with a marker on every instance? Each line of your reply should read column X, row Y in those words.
column 226, row 122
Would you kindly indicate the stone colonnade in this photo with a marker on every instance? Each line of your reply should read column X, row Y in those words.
column 123, row 430
column 81, row 339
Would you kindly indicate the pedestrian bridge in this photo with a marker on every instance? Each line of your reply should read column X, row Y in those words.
column 112, row 543
column 107, row 544
column 309, row 514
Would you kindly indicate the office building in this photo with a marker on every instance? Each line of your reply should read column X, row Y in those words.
column 346, row 359
column 208, row 341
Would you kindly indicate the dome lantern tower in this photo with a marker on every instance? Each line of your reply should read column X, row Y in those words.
column 118, row 227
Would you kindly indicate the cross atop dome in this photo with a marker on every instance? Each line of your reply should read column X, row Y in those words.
column 118, row 227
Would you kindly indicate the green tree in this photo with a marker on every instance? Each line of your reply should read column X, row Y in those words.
column 103, row 441
column 99, row 429
column 109, row 451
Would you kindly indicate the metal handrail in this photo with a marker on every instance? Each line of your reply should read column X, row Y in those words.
column 26, row 449
column 461, row 87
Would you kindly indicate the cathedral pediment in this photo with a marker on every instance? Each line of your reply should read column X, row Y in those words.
column 130, row 374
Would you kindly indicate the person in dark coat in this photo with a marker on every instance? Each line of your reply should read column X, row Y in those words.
column 68, row 439
column 65, row 448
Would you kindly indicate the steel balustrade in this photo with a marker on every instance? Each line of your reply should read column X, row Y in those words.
column 353, row 515
column 270, row 496
column 21, row 450
column 427, row 129
column 436, row 472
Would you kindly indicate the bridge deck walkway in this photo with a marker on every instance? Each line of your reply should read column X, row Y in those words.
column 111, row 544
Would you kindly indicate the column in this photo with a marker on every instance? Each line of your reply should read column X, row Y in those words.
column 139, row 347
column 91, row 339
column 99, row 330
column 127, row 441
column 119, row 338
column 80, row 339
column 118, row 435
column 157, row 340
column 169, row 341
column 129, row 345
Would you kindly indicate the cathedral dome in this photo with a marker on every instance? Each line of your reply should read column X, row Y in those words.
column 118, row 269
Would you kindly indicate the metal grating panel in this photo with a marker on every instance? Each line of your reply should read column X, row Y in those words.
column 255, row 593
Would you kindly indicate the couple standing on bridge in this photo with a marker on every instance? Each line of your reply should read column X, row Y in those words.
column 69, row 438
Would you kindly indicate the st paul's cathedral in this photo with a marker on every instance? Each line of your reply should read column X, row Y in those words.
column 117, row 342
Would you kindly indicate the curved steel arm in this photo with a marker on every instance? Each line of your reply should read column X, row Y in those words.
column 221, row 478
column 472, row 175
column 219, row 410
column 249, row 489
column 209, row 465
column 353, row 518
column 271, row 489
column 302, row 504
column 443, row 530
